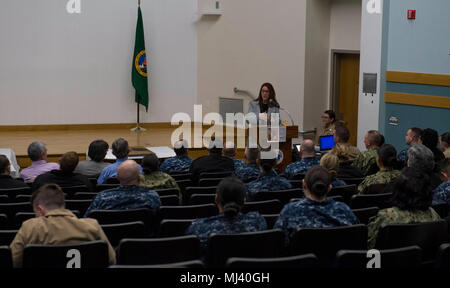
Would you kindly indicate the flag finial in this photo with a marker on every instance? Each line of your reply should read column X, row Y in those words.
column 139, row 3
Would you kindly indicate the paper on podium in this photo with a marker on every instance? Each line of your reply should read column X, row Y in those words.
column 162, row 151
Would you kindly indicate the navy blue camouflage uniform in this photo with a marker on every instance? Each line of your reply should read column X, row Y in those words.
column 442, row 193
column 300, row 167
column 246, row 172
column 176, row 164
column 267, row 182
column 125, row 198
column 307, row 213
column 403, row 157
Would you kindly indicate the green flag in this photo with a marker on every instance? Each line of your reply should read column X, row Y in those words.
column 139, row 65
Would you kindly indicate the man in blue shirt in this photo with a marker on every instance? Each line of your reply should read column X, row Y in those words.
column 121, row 150
column 179, row 163
column 129, row 195
column 442, row 193
column 251, row 170
column 308, row 155
column 230, row 152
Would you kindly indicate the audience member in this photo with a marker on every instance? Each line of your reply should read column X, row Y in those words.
column 65, row 177
column 230, row 152
column 55, row 225
column 38, row 155
column 153, row 178
column 421, row 158
column 386, row 160
column 121, row 150
column 411, row 138
column 268, row 180
column 6, row 181
column 442, row 193
column 230, row 198
column 251, row 169
column 366, row 161
column 411, row 203
column 445, row 144
column 341, row 137
column 181, row 162
column 315, row 210
column 308, row 160
column 129, row 195
column 346, row 169
column 430, row 139
column 94, row 165
column 331, row 163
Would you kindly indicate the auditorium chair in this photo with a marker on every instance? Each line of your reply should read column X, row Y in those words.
column 20, row 217
column 443, row 256
column 11, row 209
column 283, row 195
column 5, row 199
column 173, row 227
column 406, row 257
column 442, row 209
column 117, row 232
column 196, row 264
column 209, row 182
column 180, row 175
column 325, row 242
column 187, row 212
column 5, row 257
column 168, row 192
column 263, row 207
column 222, row 174
column 428, row 236
column 170, row 200
column 364, row 214
column 101, row 187
column 296, row 183
column 352, row 181
column 183, row 184
column 197, row 190
column 7, row 236
column 381, row 201
column 93, row 254
column 112, row 180
column 12, row 192
column 291, row 262
column 345, row 191
column 80, row 205
column 70, row 190
column 84, row 196
column 375, row 189
column 298, row 176
column 265, row 244
column 199, row 199
column 3, row 221
column 270, row 219
column 158, row 250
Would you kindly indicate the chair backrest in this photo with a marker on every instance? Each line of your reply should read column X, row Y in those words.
column 381, row 201
column 12, row 192
column 112, row 180
column 364, row 214
column 92, row 254
column 442, row 209
column 263, row 207
column 292, row 262
column 117, row 232
column 167, row 192
column 296, row 183
column 158, row 250
column 443, row 256
column 337, row 198
column 298, row 176
column 7, row 236
column 187, row 212
column 20, row 217
column 180, row 175
column 22, row 198
column 251, row 244
column 70, row 190
column 147, row 216
column 3, row 221
column 84, row 196
column 198, row 190
column 325, row 242
column 10, row 209
column 345, row 191
column 428, row 236
column 170, row 200
column 101, row 187
column 5, row 257
column 208, row 182
column 283, row 195
column 80, row 205
column 199, row 199
column 184, row 264
column 5, row 199
column 352, row 181
column 375, row 189
column 174, row 227
column 221, row 175
column 270, row 219
column 407, row 257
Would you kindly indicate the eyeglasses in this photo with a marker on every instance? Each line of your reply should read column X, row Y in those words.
column 325, row 117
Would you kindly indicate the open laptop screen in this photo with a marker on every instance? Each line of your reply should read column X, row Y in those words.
column 326, row 142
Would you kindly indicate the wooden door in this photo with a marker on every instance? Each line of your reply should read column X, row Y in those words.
column 347, row 97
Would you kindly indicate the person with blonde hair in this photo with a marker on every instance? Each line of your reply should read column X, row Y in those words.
column 331, row 163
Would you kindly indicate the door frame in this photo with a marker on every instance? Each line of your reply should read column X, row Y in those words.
column 334, row 77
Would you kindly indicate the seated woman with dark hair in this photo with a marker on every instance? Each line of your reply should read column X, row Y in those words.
column 153, row 178
column 411, row 203
column 430, row 138
column 230, row 198
column 386, row 161
column 97, row 152
column 268, row 180
column 315, row 210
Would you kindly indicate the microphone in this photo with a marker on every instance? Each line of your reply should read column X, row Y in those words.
column 273, row 103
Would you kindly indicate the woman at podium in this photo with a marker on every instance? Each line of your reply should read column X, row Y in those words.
column 265, row 105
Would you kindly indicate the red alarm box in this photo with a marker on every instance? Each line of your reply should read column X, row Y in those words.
column 411, row 14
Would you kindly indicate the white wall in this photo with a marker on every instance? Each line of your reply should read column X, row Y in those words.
column 345, row 24
column 60, row 68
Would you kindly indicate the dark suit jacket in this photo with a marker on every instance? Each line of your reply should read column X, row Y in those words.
column 62, row 179
column 210, row 163
column 7, row 182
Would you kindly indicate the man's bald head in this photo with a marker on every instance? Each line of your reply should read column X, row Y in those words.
column 128, row 173
column 307, row 149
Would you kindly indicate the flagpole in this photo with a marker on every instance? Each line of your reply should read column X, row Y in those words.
column 138, row 128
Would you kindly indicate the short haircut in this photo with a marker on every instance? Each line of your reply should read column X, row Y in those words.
column 150, row 163
column 330, row 162
column 387, row 155
column 421, row 158
column 430, row 138
column 180, row 147
column 50, row 196
column 444, row 166
column 412, row 190
column 68, row 162
column 416, row 132
column 308, row 147
column 231, row 195
column 375, row 138
column 35, row 150
column 268, row 160
column 4, row 163
column 446, row 138
column 97, row 150
column 252, row 154
column 120, row 148
column 343, row 133
column 317, row 181
column 331, row 114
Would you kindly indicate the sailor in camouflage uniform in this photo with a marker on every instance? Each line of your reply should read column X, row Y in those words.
column 251, row 169
column 367, row 159
column 230, row 152
column 386, row 159
column 442, row 193
column 153, row 178
column 230, row 198
column 128, row 195
column 308, row 159
column 411, row 138
column 315, row 210
column 179, row 163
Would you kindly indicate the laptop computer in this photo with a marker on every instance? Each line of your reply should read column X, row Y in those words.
column 326, row 143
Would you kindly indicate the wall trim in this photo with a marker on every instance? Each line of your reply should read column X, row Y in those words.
column 418, row 78
column 417, row 100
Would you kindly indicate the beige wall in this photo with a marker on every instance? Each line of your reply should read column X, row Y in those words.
column 253, row 42
column 345, row 28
